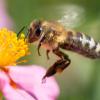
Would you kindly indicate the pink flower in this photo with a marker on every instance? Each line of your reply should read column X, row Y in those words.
column 5, row 20
column 29, row 86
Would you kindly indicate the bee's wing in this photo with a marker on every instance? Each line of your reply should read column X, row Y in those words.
column 72, row 16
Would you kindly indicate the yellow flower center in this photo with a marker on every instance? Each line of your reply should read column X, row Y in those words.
column 11, row 47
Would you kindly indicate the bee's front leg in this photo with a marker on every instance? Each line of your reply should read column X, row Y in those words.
column 47, row 53
column 59, row 65
column 38, row 48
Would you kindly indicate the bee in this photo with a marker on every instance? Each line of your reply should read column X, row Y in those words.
column 54, row 37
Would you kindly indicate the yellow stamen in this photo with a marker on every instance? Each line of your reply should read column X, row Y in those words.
column 11, row 47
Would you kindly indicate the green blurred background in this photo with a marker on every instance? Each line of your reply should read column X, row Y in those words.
column 81, row 81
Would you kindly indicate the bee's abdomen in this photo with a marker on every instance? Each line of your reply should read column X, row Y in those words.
column 82, row 44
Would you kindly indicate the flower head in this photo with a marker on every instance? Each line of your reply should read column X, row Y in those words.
column 11, row 47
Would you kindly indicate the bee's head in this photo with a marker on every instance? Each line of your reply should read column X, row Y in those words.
column 34, row 31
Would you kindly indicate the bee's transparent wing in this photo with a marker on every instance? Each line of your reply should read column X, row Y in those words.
column 72, row 16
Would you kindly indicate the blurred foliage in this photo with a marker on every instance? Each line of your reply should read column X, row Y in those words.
column 81, row 81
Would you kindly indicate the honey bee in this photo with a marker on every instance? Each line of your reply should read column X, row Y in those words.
column 54, row 37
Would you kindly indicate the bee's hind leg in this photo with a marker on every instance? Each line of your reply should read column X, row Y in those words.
column 59, row 65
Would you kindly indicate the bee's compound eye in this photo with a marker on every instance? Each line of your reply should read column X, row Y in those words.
column 38, row 31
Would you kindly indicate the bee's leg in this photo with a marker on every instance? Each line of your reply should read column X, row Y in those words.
column 60, row 54
column 64, row 57
column 38, row 48
column 47, row 53
column 59, row 65
column 40, row 42
column 18, row 34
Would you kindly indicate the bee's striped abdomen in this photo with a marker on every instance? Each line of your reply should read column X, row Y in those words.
column 82, row 44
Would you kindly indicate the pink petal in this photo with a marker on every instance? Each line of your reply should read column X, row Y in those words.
column 11, row 93
column 30, row 79
column 3, row 79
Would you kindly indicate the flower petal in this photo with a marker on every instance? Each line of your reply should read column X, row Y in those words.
column 30, row 79
column 11, row 93
column 3, row 79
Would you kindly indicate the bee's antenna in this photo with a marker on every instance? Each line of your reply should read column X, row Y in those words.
column 21, row 30
column 27, row 34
